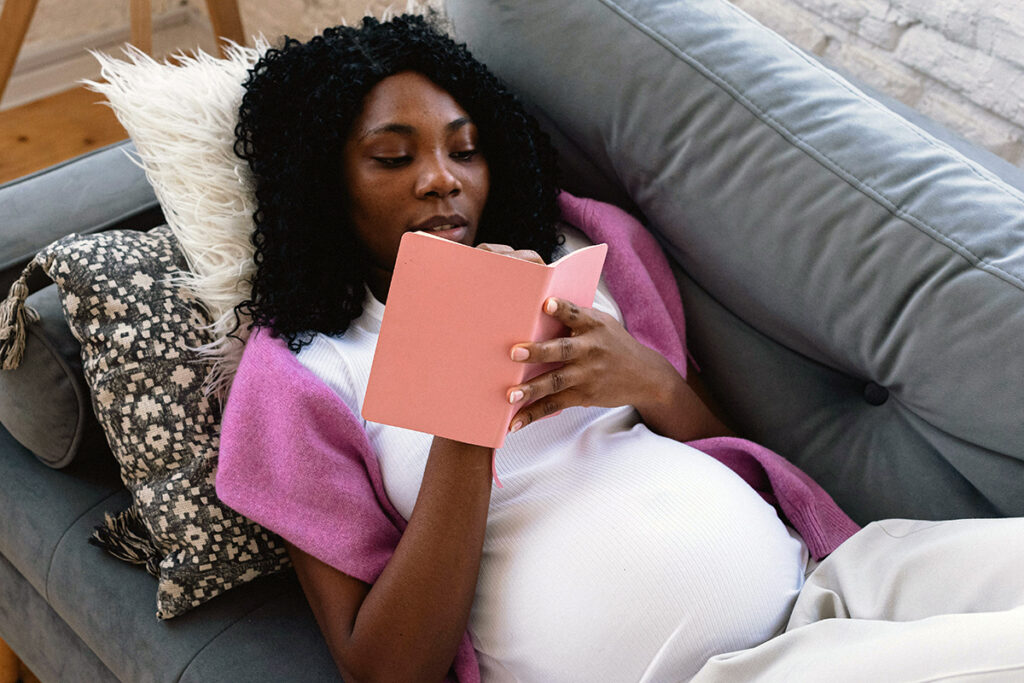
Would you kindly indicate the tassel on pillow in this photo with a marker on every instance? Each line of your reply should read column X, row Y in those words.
column 15, row 317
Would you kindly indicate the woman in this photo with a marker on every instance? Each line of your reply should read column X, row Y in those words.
column 615, row 551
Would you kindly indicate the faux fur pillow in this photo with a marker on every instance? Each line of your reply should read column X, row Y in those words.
column 181, row 115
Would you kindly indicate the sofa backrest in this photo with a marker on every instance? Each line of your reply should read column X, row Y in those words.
column 854, row 285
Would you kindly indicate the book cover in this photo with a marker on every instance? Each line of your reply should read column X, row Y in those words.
column 453, row 313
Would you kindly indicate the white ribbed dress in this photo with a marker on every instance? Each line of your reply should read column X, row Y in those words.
column 612, row 554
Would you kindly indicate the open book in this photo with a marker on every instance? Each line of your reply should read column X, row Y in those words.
column 442, row 363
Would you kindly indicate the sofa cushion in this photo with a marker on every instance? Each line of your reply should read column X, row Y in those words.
column 39, row 504
column 880, row 271
column 110, row 606
column 63, row 597
column 46, row 645
column 138, row 329
column 44, row 402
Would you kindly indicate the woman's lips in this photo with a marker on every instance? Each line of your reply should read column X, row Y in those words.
column 453, row 233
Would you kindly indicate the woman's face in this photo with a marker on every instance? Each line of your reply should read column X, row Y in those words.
column 410, row 163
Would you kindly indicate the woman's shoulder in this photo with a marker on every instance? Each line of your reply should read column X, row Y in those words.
column 342, row 362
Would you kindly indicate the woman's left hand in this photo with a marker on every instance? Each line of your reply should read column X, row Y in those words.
column 603, row 365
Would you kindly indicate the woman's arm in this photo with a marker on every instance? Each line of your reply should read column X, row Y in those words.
column 603, row 365
column 673, row 408
column 407, row 626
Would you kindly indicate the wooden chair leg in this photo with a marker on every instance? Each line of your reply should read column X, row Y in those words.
column 226, row 22
column 8, row 664
column 141, row 13
column 13, row 24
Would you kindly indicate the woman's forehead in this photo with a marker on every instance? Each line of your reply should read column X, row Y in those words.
column 408, row 100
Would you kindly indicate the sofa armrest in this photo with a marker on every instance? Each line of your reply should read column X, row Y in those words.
column 101, row 190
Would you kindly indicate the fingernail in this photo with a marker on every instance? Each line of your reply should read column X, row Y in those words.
column 551, row 306
column 515, row 396
column 515, row 427
column 519, row 353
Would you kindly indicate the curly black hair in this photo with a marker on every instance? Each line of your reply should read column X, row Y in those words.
column 299, row 104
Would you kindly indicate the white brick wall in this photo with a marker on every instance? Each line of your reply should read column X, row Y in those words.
column 961, row 62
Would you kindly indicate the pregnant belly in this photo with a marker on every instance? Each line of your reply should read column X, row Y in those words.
column 637, row 563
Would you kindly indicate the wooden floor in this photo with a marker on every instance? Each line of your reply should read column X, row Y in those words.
column 52, row 129
column 12, row 670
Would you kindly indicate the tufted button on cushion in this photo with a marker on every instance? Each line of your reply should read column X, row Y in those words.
column 875, row 394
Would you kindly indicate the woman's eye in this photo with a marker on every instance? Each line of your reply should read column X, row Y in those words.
column 391, row 162
column 464, row 155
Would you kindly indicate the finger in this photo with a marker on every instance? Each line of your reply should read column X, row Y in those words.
column 505, row 250
column 571, row 315
column 546, row 384
column 495, row 248
column 546, row 407
column 557, row 350
column 527, row 255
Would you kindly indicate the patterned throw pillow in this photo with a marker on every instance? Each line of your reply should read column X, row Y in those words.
column 122, row 295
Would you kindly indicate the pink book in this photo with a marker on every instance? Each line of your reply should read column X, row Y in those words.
column 442, row 363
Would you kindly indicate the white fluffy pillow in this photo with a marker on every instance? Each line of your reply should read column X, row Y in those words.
column 181, row 115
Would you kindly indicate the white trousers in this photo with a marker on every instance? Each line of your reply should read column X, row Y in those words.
column 902, row 601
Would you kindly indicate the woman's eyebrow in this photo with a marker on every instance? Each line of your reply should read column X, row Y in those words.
column 457, row 123
column 406, row 129
column 400, row 128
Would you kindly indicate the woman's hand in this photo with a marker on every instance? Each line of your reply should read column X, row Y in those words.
column 603, row 365
column 505, row 250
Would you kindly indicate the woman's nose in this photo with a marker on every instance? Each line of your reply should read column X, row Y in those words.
column 436, row 179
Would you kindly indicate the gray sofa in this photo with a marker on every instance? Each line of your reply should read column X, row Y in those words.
column 853, row 277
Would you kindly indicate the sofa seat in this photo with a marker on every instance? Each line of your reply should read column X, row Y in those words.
column 44, row 504
column 53, row 581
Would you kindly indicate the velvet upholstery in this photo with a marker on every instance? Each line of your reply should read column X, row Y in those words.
column 68, row 609
column 43, row 641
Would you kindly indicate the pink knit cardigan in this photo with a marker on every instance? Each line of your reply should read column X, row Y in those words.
column 296, row 460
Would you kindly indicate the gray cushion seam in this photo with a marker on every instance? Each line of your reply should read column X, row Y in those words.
column 830, row 164
column 217, row 635
column 49, row 563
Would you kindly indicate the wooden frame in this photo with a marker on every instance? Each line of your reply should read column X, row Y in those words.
column 17, row 14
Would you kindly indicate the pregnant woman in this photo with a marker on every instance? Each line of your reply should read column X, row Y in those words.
column 633, row 538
